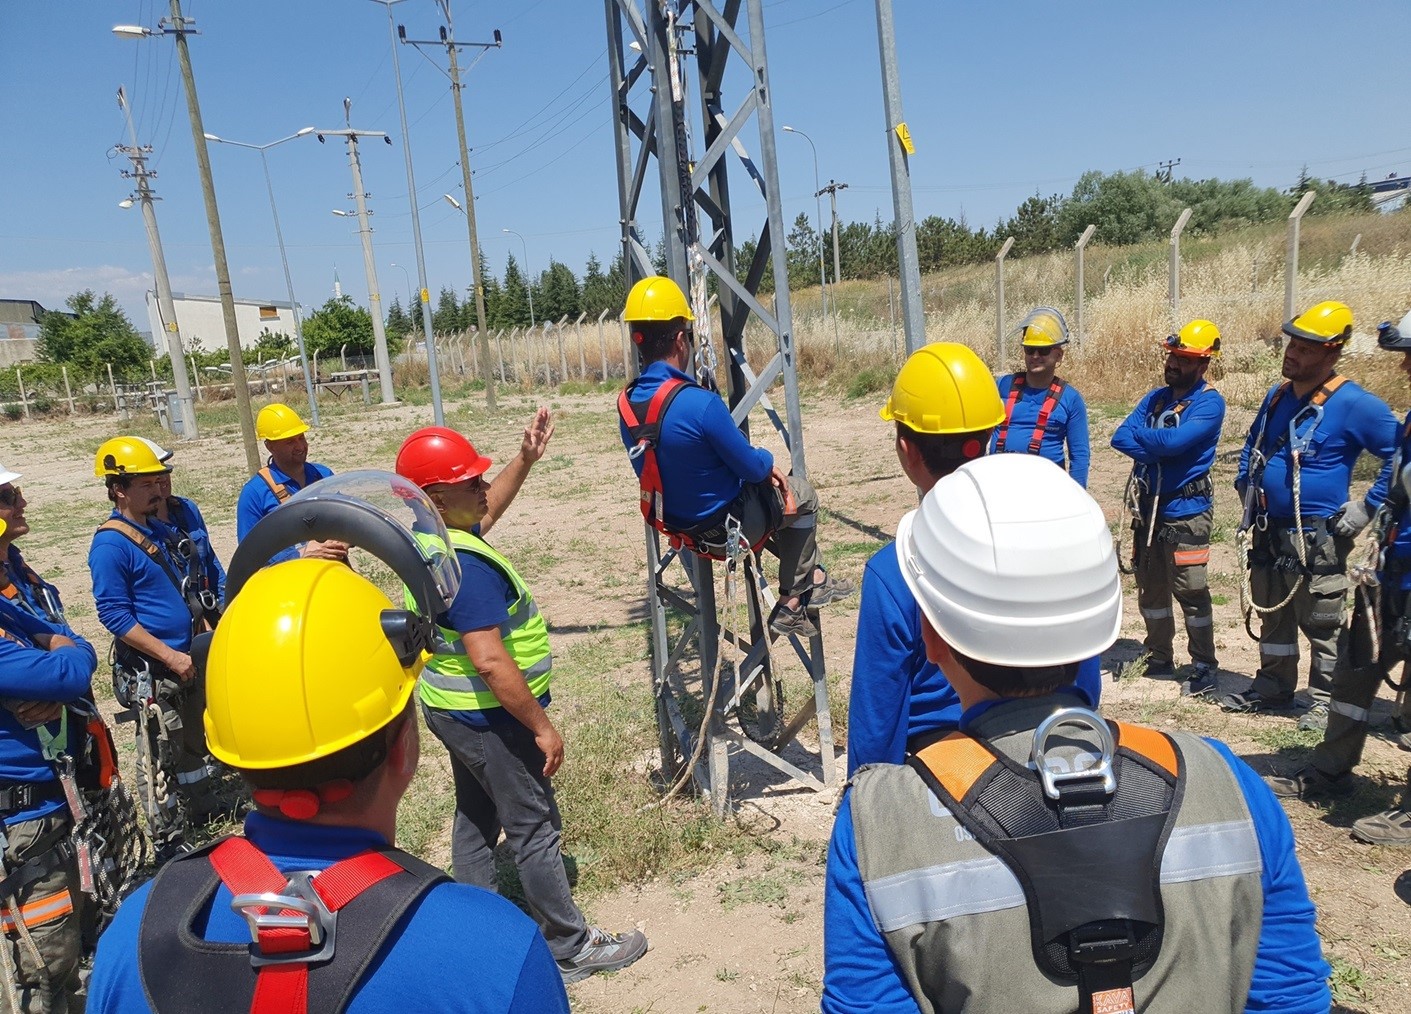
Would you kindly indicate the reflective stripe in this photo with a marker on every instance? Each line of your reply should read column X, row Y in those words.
column 188, row 777
column 1351, row 711
column 1157, row 614
column 973, row 887
column 1191, row 557
column 39, row 911
column 471, row 683
column 1278, row 649
column 1199, row 621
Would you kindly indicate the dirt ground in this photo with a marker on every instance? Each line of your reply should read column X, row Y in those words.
column 746, row 934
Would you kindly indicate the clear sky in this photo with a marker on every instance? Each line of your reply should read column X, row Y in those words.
column 1003, row 99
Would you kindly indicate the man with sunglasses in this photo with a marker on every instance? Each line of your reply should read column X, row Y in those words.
column 19, row 583
column 488, row 706
column 147, row 586
column 1043, row 413
column 1171, row 437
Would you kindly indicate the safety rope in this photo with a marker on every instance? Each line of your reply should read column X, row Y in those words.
column 1132, row 499
column 1245, row 544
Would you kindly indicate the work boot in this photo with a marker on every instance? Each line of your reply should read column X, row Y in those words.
column 1391, row 827
column 1144, row 665
column 1158, row 668
column 830, row 589
column 1401, row 732
column 1315, row 719
column 603, row 952
column 1252, row 702
column 1310, row 783
column 788, row 622
column 1201, row 682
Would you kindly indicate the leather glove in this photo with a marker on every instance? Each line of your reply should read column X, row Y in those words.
column 1351, row 519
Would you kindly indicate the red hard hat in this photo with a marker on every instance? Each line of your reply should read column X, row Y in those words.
column 438, row 454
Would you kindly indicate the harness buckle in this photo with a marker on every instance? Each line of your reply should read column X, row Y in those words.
column 1309, row 413
column 1055, row 782
column 298, row 908
column 637, row 450
column 1102, row 942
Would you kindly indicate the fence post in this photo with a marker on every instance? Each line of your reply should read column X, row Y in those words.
column 500, row 352
column 113, row 386
column 1352, row 250
column 578, row 333
column 1291, row 257
column 1078, row 251
column 999, row 302
column 1173, row 277
column 563, row 353
column 19, row 378
column 603, row 345
column 68, row 392
column 196, row 379
column 629, row 358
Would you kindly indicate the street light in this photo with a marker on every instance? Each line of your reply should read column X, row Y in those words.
column 180, row 26
column 283, row 257
column 818, row 210
column 528, row 280
column 405, row 276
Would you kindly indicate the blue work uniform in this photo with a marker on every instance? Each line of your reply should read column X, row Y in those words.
column 703, row 457
column 1289, row 974
column 1171, row 455
column 32, row 593
column 1065, row 428
column 31, row 673
column 186, row 516
column 461, row 949
column 897, row 692
column 130, row 588
column 257, row 500
column 1400, row 548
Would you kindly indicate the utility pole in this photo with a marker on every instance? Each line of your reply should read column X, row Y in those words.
column 899, row 148
column 448, row 39
column 374, row 295
column 832, row 191
column 139, row 172
column 1164, row 172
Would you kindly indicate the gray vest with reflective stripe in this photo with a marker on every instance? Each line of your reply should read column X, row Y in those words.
column 955, row 918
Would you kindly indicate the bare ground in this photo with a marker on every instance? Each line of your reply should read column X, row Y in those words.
column 746, row 934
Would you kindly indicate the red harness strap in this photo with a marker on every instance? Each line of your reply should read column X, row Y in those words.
column 244, row 869
column 644, row 428
column 1016, row 387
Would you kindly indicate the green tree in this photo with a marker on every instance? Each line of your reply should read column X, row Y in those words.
column 337, row 323
column 514, row 298
column 273, row 345
column 399, row 325
column 602, row 291
column 448, row 312
column 98, row 333
column 803, row 252
column 1034, row 225
column 559, row 296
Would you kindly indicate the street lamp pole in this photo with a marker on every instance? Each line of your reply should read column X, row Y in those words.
column 283, row 257
column 432, row 367
column 528, row 279
column 818, row 212
column 405, row 277
column 179, row 27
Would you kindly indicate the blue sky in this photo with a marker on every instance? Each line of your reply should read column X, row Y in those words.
column 1002, row 99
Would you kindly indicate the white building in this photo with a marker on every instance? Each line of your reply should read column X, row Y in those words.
column 200, row 319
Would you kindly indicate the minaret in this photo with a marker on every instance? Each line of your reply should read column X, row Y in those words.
column 337, row 285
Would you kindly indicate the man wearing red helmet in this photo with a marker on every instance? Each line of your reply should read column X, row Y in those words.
column 488, row 706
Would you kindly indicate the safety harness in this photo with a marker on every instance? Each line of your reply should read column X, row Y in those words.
column 1016, row 388
column 1366, row 577
column 1085, row 845
column 1256, row 505
column 41, row 594
column 1138, row 487
column 280, row 491
column 643, row 420
column 314, row 935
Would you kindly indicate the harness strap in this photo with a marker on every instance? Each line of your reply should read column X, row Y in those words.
column 190, row 593
column 280, row 491
column 1016, row 387
column 1320, row 397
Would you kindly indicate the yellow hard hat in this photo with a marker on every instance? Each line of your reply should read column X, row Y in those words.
column 1200, row 339
column 127, row 456
column 279, row 422
column 656, row 298
column 300, row 667
column 1328, row 323
column 1043, row 326
column 944, row 388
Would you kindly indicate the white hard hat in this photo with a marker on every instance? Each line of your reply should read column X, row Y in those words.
column 1012, row 562
column 163, row 455
column 8, row 476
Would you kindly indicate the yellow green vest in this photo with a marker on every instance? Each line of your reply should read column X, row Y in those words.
column 450, row 682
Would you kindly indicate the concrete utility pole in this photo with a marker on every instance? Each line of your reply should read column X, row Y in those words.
column 832, row 191
column 179, row 27
column 448, row 39
column 1173, row 280
column 138, row 154
column 1291, row 256
column 899, row 147
column 374, row 294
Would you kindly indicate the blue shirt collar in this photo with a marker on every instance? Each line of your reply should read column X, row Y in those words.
column 297, row 838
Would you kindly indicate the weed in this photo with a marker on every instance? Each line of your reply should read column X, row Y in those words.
column 1219, row 600
column 1348, row 982
column 726, row 974
column 867, row 381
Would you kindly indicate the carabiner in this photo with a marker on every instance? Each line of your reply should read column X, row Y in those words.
column 1298, row 444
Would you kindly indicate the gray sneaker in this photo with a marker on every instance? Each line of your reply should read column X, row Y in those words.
column 1315, row 719
column 603, row 952
column 791, row 622
column 1201, row 682
column 830, row 589
column 1401, row 732
column 1310, row 783
column 1391, row 827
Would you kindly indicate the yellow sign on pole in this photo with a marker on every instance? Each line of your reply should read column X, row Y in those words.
column 904, row 136
column 425, row 296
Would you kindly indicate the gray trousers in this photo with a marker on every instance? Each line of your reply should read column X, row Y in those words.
column 795, row 542
column 500, row 787
column 48, row 980
column 1175, row 565
column 1316, row 609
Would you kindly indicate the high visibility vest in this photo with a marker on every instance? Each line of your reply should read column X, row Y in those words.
column 451, row 682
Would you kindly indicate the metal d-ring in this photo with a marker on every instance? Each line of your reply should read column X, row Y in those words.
column 1053, row 780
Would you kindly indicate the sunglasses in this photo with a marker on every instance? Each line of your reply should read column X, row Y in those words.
column 1041, row 351
column 9, row 497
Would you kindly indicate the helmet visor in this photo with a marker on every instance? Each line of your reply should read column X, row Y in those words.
column 1043, row 326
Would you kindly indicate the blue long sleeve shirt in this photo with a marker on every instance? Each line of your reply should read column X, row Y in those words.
column 461, row 950
column 129, row 588
column 1400, row 549
column 257, row 500
column 1067, row 426
column 30, row 673
column 1289, row 976
column 1353, row 420
column 702, row 456
column 32, row 593
column 897, row 692
column 1179, row 451
column 186, row 516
